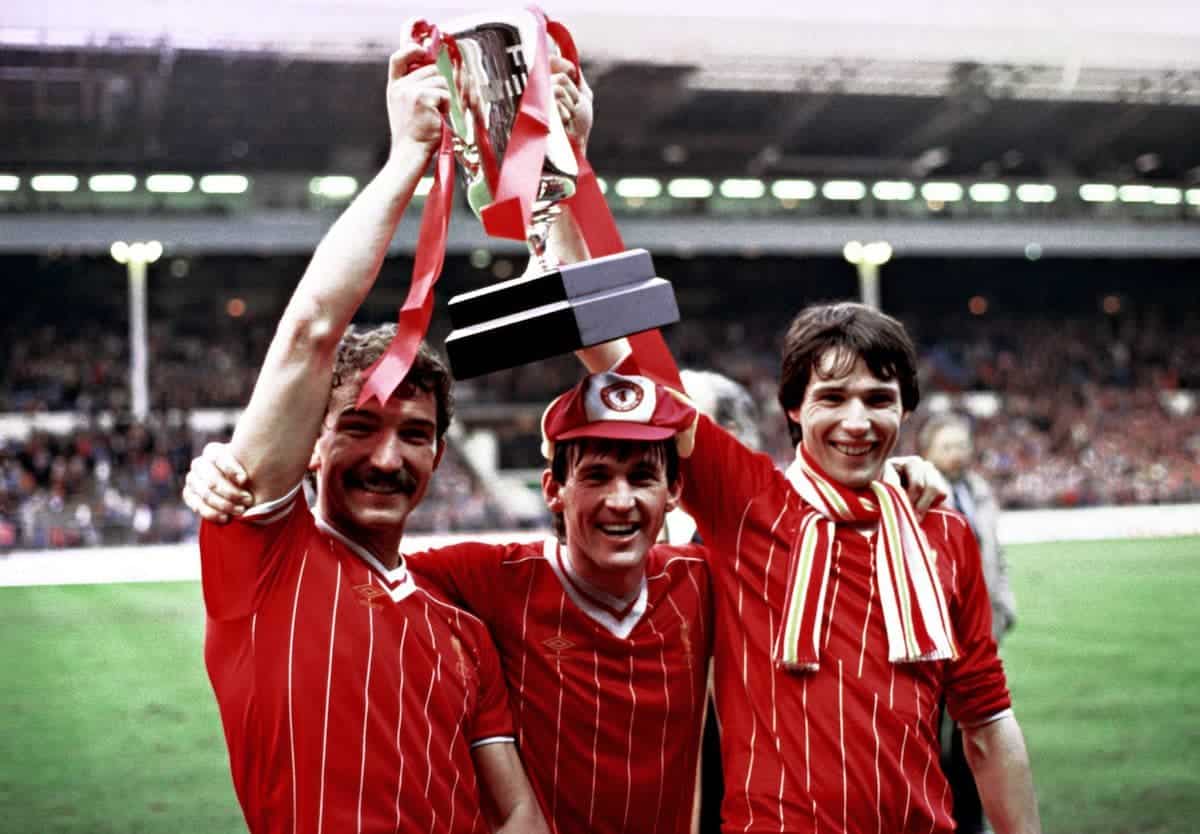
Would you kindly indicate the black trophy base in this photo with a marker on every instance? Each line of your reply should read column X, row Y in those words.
column 536, row 317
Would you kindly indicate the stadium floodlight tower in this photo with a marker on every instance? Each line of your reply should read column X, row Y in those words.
column 136, row 257
column 867, row 258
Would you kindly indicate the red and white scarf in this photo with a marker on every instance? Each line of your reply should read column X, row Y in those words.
column 914, row 607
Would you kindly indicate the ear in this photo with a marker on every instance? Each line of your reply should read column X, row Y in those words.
column 314, row 461
column 552, row 492
column 437, row 458
column 794, row 414
column 673, row 493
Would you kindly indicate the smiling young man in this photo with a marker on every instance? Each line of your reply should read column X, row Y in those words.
column 842, row 620
column 603, row 635
column 352, row 698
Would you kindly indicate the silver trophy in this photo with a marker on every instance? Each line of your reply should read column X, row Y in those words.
column 554, row 308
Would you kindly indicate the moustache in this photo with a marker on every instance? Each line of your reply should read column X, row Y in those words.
column 400, row 480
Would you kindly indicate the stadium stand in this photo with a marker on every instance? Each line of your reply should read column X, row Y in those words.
column 1082, row 377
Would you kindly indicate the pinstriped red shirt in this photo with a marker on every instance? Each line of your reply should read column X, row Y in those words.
column 851, row 747
column 607, row 694
column 350, row 696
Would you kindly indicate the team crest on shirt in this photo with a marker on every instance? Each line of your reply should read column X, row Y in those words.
column 461, row 666
column 685, row 637
column 621, row 396
column 370, row 595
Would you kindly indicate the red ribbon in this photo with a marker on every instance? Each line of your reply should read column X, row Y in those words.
column 594, row 218
column 508, row 216
column 385, row 376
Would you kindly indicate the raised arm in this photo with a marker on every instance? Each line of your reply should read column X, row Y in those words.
column 275, row 435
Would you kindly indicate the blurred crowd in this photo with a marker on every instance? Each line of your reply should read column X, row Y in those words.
column 121, row 485
column 1082, row 420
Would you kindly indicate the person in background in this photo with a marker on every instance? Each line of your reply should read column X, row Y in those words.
column 946, row 441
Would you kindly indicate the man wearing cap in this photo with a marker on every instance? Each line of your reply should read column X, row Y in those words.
column 842, row 619
column 604, row 636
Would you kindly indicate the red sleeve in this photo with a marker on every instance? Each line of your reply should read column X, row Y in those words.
column 239, row 560
column 466, row 574
column 719, row 478
column 492, row 718
column 976, row 688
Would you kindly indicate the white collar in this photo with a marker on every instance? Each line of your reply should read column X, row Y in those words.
column 398, row 582
column 586, row 595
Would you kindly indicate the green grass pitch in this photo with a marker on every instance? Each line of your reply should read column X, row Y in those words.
column 107, row 722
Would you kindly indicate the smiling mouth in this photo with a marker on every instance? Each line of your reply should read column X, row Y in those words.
column 618, row 530
column 853, row 450
column 382, row 489
column 383, row 486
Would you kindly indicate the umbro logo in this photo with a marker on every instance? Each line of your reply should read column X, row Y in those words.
column 370, row 595
column 557, row 644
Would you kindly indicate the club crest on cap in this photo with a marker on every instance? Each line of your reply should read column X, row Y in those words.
column 623, row 395
column 618, row 406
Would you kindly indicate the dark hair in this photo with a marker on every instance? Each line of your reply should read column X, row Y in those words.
column 567, row 454
column 361, row 348
column 854, row 331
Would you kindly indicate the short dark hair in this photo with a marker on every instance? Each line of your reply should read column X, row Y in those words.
column 854, row 330
column 567, row 453
column 361, row 347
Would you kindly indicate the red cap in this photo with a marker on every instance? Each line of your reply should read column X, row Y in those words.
column 618, row 407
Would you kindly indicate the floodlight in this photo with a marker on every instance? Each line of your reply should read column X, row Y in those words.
column 1094, row 192
column 942, row 192
column 1136, row 193
column 743, row 189
column 843, row 190
column 112, row 183
column 989, row 192
column 334, row 187
column 1168, row 196
column 690, row 188
column 793, row 190
column 224, row 184
column 893, row 190
column 169, row 183
column 55, row 182
column 1036, row 193
column 638, row 188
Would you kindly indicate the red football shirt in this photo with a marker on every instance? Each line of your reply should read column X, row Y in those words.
column 350, row 696
column 607, row 694
column 853, row 746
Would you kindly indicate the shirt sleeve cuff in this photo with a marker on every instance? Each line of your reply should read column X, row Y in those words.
column 483, row 742
column 991, row 719
column 269, row 512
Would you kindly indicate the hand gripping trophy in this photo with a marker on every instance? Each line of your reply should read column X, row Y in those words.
column 519, row 167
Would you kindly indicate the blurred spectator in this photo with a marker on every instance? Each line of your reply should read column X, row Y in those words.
column 945, row 441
